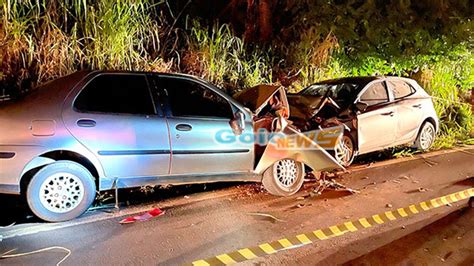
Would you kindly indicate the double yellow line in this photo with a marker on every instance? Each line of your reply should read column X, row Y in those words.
column 264, row 249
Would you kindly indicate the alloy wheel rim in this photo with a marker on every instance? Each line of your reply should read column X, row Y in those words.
column 286, row 173
column 61, row 192
column 427, row 136
column 344, row 150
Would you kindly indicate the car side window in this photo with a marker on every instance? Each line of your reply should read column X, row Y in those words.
column 188, row 98
column 400, row 89
column 116, row 93
column 375, row 94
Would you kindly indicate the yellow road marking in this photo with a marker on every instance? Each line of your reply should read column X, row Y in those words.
column 390, row 216
column 445, row 201
column 364, row 223
column 319, row 234
column 452, row 197
column 402, row 212
column 304, row 239
column 377, row 219
column 247, row 253
column 350, row 226
column 201, row 263
column 285, row 242
column 424, row 206
column 413, row 209
column 434, row 203
column 226, row 259
column 336, row 230
column 267, row 248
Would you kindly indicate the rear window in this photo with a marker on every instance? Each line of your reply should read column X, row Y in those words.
column 116, row 93
column 400, row 88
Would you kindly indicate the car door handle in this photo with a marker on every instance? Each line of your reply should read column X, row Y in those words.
column 86, row 123
column 388, row 113
column 417, row 105
column 183, row 127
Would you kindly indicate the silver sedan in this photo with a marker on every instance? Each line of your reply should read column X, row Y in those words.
column 95, row 131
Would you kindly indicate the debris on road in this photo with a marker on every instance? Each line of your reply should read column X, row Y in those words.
column 420, row 189
column 266, row 215
column 144, row 217
column 389, row 205
column 324, row 184
column 429, row 162
column 7, row 254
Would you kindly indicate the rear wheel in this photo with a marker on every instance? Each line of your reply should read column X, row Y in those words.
column 284, row 177
column 426, row 137
column 61, row 191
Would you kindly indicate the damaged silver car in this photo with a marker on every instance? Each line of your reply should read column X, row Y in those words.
column 95, row 131
column 376, row 113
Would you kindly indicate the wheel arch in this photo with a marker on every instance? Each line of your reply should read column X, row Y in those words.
column 428, row 119
column 432, row 121
column 53, row 156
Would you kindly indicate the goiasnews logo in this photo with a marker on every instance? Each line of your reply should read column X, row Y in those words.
column 316, row 139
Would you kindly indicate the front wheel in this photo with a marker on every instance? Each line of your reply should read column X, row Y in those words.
column 61, row 191
column 344, row 150
column 284, row 177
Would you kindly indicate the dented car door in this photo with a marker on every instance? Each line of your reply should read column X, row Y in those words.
column 377, row 125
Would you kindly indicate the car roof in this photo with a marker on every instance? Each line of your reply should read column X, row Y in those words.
column 354, row 80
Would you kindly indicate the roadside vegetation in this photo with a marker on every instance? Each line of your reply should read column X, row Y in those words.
column 293, row 43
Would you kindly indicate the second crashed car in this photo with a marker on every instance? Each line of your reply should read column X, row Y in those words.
column 376, row 112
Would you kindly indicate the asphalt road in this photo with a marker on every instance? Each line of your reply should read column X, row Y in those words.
column 208, row 223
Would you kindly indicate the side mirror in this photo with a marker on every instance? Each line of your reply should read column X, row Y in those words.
column 361, row 106
column 238, row 123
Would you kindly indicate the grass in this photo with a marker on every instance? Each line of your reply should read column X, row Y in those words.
column 224, row 59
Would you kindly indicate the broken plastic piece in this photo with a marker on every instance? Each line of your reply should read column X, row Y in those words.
column 144, row 217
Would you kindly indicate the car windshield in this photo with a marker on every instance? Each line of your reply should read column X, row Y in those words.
column 342, row 93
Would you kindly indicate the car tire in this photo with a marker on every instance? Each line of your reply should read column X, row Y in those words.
column 284, row 178
column 61, row 191
column 344, row 152
column 426, row 136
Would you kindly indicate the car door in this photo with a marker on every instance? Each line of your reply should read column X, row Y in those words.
column 202, row 140
column 377, row 125
column 409, row 109
column 114, row 117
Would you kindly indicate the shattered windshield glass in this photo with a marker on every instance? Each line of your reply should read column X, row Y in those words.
column 343, row 93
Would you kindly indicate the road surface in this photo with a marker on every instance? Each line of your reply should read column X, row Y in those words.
column 219, row 220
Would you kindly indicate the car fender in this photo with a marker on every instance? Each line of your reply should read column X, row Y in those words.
column 311, row 155
column 35, row 163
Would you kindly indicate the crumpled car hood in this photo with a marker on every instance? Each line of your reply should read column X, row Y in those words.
column 255, row 98
column 304, row 106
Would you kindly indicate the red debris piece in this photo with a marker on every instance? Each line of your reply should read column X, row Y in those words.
column 143, row 217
